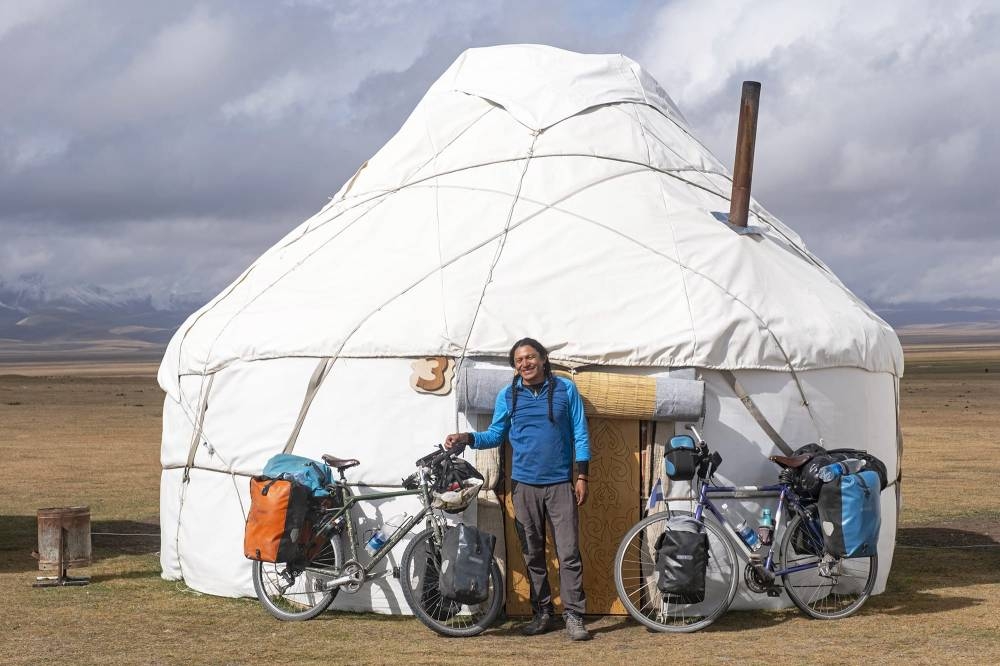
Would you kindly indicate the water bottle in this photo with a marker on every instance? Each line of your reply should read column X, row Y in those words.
column 744, row 530
column 765, row 527
column 380, row 537
column 839, row 469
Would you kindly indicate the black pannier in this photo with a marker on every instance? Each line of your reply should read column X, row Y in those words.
column 871, row 463
column 466, row 556
column 681, row 561
column 680, row 459
column 807, row 482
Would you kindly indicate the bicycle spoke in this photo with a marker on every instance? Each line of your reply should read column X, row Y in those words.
column 830, row 589
column 419, row 574
column 297, row 593
column 636, row 579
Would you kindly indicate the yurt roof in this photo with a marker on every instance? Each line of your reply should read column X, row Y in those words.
column 535, row 191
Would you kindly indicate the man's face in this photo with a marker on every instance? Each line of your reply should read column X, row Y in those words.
column 529, row 364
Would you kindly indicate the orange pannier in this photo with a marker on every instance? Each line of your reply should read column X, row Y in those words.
column 275, row 530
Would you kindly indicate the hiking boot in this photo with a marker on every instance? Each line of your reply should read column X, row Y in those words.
column 575, row 629
column 539, row 624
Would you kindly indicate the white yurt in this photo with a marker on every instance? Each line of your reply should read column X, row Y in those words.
column 532, row 192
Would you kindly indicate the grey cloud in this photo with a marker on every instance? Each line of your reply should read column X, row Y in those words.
column 163, row 146
column 877, row 140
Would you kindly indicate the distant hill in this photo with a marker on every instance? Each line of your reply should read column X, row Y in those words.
column 972, row 311
column 37, row 324
column 955, row 321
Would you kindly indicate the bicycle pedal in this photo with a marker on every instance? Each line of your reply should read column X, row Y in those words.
column 774, row 591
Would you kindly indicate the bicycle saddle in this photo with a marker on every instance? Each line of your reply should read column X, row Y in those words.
column 340, row 464
column 792, row 462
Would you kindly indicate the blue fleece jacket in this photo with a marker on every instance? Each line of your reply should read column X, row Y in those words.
column 543, row 452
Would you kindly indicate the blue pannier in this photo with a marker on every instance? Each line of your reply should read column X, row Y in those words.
column 315, row 476
column 849, row 514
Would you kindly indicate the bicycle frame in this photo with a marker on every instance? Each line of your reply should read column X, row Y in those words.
column 331, row 516
column 784, row 495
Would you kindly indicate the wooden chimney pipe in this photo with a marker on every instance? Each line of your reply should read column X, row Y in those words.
column 746, row 137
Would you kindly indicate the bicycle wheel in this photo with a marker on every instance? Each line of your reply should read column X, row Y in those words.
column 293, row 592
column 419, row 571
column 636, row 578
column 827, row 590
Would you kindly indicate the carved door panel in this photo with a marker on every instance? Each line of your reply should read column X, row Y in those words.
column 612, row 508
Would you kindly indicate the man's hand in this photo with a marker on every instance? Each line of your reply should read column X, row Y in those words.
column 581, row 491
column 457, row 441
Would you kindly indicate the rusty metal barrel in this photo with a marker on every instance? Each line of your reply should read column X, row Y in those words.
column 63, row 538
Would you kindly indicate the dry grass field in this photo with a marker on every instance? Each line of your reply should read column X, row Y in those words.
column 74, row 435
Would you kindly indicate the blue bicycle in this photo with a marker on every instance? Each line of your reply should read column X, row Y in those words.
column 821, row 585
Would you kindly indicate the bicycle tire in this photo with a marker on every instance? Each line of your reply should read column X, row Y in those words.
column 824, row 597
column 419, row 569
column 293, row 592
column 636, row 576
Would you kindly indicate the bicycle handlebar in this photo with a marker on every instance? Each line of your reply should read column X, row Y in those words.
column 696, row 433
column 435, row 458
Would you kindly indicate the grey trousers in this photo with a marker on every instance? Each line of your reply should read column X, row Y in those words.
column 555, row 504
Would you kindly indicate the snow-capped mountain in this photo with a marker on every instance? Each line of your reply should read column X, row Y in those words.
column 37, row 320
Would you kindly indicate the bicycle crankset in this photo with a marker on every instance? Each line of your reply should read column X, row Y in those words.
column 757, row 579
column 356, row 573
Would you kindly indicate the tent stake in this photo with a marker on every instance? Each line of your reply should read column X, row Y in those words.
column 746, row 137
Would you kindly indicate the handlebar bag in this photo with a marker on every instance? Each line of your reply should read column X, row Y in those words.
column 680, row 459
column 849, row 514
column 466, row 555
column 312, row 474
column 681, row 561
column 275, row 529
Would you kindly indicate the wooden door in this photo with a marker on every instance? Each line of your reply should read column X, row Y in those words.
column 611, row 509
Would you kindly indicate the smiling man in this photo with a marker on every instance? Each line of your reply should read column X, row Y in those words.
column 542, row 416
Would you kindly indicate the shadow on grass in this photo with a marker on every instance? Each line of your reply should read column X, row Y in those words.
column 927, row 559
column 109, row 538
column 938, row 558
column 151, row 574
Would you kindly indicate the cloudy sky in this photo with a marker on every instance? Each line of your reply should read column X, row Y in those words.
column 159, row 147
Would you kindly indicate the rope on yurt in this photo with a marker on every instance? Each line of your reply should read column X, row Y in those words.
column 755, row 412
column 496, row 257
column 669, row 172
column 381, row 194
column 761, row 215
column 326, row 364
column 730, row 377
column 437, row 223
column 196, row 436
column 239, row 497
column 312, row 388
column 673, row 234
column 378, row 198
column 673, row 173
column 350, row 183
column 198, row 426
